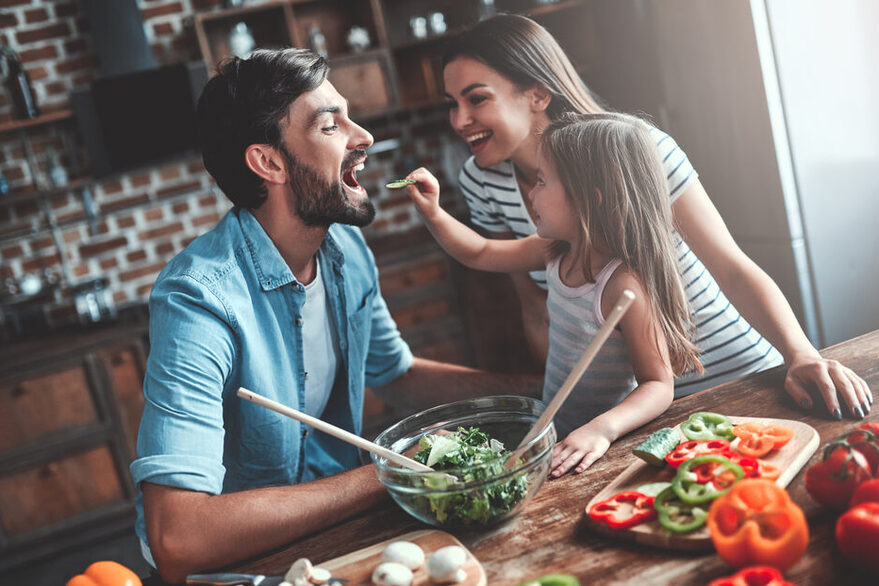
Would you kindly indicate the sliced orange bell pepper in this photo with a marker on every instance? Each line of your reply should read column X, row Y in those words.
column 105, row 574
column 778, row 434
column 756, row 522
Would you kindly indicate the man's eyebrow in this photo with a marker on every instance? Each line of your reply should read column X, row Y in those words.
column 468, row 89
column 326, row 110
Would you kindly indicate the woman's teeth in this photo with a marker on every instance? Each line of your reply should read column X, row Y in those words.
column 478, row 136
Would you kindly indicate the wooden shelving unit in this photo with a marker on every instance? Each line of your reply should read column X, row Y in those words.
column 398, row 72
column 47, row 118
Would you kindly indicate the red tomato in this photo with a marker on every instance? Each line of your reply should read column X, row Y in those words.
column 866, row 492
column 865, row 439
column 857, row 534
column 833, row 481
column 753, row 576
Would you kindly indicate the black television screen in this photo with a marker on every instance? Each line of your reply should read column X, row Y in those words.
column 131, row 120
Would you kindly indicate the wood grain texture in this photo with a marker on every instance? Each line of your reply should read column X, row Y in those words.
column 550, row 535
column 357, row 566
column 789, row 459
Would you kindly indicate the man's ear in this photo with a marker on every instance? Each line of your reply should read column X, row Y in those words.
column 540, row 97
column 267, row 162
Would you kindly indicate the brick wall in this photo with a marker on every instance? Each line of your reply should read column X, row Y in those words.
column 136, row 222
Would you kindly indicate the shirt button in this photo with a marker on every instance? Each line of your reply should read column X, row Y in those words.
column 298, row 322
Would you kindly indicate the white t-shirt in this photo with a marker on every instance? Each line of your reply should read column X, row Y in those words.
column 320, row 347
column 730, row 347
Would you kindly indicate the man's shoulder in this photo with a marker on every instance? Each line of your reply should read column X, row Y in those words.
column 208, row 258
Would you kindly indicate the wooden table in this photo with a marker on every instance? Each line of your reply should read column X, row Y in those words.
column 550, row 536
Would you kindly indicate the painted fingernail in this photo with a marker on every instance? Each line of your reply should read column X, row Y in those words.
column 858, row 413
column 837, row 414
column 805, row 403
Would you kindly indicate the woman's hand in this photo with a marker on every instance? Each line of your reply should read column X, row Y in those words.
column 425, row 193
column 579, row 450
column 829, row 377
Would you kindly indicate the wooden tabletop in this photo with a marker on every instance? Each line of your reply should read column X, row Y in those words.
column 550, row 535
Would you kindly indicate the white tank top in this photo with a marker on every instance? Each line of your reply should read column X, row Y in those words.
column 574, row 320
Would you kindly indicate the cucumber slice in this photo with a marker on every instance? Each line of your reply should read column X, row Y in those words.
column 656, row 447
column 400, row 183
column 553, row 580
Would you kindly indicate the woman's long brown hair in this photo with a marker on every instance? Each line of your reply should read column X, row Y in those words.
column 611, row 173
column 525, row 53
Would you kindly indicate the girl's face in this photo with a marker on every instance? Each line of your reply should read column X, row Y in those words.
column 488, row 111
column 553, row 214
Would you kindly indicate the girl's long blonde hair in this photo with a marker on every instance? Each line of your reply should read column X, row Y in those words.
column 611, row 173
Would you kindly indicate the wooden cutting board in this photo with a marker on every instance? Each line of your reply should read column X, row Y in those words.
column 358, row 566
column 790, row 459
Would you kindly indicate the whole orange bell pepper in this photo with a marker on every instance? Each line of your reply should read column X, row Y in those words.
column 756, row 522
column 105, row 574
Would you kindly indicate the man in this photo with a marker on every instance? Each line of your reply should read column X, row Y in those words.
column 282, row 298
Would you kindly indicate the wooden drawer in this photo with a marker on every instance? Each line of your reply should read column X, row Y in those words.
column 58, row 490
column 125, row 367
column 42, row 405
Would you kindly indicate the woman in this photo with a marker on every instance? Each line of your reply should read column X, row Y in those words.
column 505, row 80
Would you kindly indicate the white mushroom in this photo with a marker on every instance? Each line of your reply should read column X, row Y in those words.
column 405, row 553
column 444, row 565
column 300, row 571
column 320, row 576
column 391, row 574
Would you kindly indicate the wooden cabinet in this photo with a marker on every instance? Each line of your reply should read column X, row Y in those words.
column 68, row 429
column 401, row 69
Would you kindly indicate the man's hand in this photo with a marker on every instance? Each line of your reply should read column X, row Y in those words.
column 832, row 380
column 581, row 448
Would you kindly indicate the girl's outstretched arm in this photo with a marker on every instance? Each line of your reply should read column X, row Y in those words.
column 652, row 396
column 468, row 247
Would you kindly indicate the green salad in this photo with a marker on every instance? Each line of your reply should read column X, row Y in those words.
column 475, row 457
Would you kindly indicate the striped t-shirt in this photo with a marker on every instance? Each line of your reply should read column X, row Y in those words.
column 574, row 320
column 730, row 347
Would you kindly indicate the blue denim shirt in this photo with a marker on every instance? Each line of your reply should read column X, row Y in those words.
column 226, row 313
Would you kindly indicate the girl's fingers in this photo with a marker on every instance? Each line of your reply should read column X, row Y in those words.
column 568, row 462
column 587, row 461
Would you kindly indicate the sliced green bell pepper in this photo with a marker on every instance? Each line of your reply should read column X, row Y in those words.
column 676, row 515
column 707, row 426
column 686, row 483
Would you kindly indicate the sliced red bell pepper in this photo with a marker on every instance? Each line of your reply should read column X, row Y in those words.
column 624, row 510
column 753, row 576
column 690, row 449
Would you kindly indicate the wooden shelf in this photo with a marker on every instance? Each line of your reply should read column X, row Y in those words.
column 429, row 39
column 30, row 194
column 47, row 118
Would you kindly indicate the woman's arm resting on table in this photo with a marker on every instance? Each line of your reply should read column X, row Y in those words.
column 428, row 383
column 191, row 532
column 759, row 299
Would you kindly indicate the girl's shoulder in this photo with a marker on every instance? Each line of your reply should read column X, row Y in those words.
column 622, row 278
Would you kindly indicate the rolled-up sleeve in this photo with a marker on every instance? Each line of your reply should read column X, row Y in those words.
column 388, row 355
column 180, row 441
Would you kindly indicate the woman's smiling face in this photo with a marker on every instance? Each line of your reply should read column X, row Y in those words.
column 487, row 110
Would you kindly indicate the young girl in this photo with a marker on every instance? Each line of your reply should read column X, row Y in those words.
column 603, row 219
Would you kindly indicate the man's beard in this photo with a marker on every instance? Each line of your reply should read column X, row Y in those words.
column 320, row 203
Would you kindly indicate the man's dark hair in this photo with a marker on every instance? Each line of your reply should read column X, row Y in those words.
column 245, row 104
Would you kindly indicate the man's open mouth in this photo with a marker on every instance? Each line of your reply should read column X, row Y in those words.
column 349, row 176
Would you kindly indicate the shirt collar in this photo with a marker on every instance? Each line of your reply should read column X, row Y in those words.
column 271, row 269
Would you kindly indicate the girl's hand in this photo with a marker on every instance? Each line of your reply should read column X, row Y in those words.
column 579, row 450
column 425, row 193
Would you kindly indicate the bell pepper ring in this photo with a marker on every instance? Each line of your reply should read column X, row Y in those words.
column 690, row 449
column 677, row 516
column 753, row 576
column 756, row 522
column 705, row 426
column 624, row 510
column 777, row 434
column 723, row 473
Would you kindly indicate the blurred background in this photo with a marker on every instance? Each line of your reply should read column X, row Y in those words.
column 101, row 184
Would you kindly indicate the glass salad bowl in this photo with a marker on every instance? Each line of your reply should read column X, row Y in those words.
column 469, row 486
